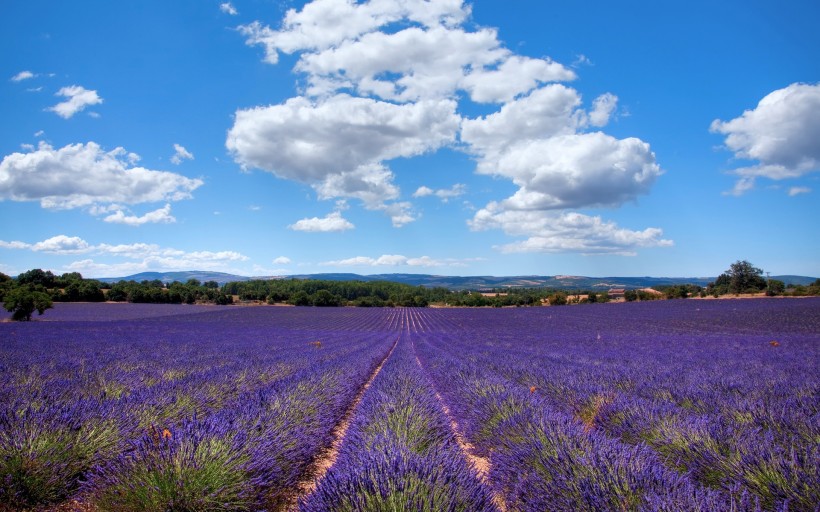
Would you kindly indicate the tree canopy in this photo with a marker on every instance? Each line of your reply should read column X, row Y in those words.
column 23, row 301
column 742, row 277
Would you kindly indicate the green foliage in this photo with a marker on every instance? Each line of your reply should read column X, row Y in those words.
column 775, row 287
column 680, row 291
column 38, row 277
column 558, row 299
column 324, row 298
column 193, row 476
column 41, row 464
column 742, row 277
column 23, row 301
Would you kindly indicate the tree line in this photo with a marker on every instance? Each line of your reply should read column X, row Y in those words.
column 37, row 290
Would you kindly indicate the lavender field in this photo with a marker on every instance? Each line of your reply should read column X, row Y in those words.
column 664, row 405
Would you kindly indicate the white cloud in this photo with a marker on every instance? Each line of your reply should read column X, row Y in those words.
column 550, row 232
column 80, row 175
column 60, row 244
column 444, row 194
column 383, row 79
column 228, row 8
column 546, row 112
column 330, row 223
column 782, row 134
column 159, row 259
column 372, row 184
column 575, row 171
column 338, row 145
column 142, row 256
column 602, row 109
column 78, row 98
column 432, row 63
column 22, row 75
column 14, row 244
column 514, row 76
column 161, row 215
column 400, row 213
column 323, row 24
column 281, row 260
column 423, row 191
column 581, row 60
column 180, row 154
column 307, row 142
column 394, row 260
column 742, row 185
column 426, row 261
column 795, row 191
column 538, row 142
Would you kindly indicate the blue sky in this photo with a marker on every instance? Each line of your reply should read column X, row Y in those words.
column 266, row 137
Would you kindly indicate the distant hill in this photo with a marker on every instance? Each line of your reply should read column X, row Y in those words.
column 457, row 282
column 181, row 276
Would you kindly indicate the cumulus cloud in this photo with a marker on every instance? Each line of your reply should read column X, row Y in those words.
column 385, row 79
column 180, row 154
column 513, row 76
column 337, row 145
column 445, row 194
column 540, row 143
column 330, row 223
column 308, row 141
column 139, row 256
column 552, row 232
column 22, row 75
column 84, row 175
column 432, row 63
column 228, row 8
column 323, row 24
column 78, row 98
column 281, row 260
column 159, row 216
column 782, row 134
column 60, row 244
column 574, row 171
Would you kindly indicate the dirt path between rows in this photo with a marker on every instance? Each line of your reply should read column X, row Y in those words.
column 327, row 457
column 480, row 464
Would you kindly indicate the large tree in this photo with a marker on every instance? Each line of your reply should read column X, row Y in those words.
column 741, row 277
column 22, row 302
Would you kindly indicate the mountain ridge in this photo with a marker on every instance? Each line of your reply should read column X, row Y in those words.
column 560, row 281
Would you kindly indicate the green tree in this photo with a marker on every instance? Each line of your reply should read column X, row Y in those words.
column 22, row 302
column 744, row 277
column 324, row 298
column 300, row 298
column 775, row 287
column 37, row 277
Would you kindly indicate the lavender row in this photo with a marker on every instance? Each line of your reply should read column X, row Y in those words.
column 400, row 452
column 205, row 413
column 543, row 459
column 733, row 411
